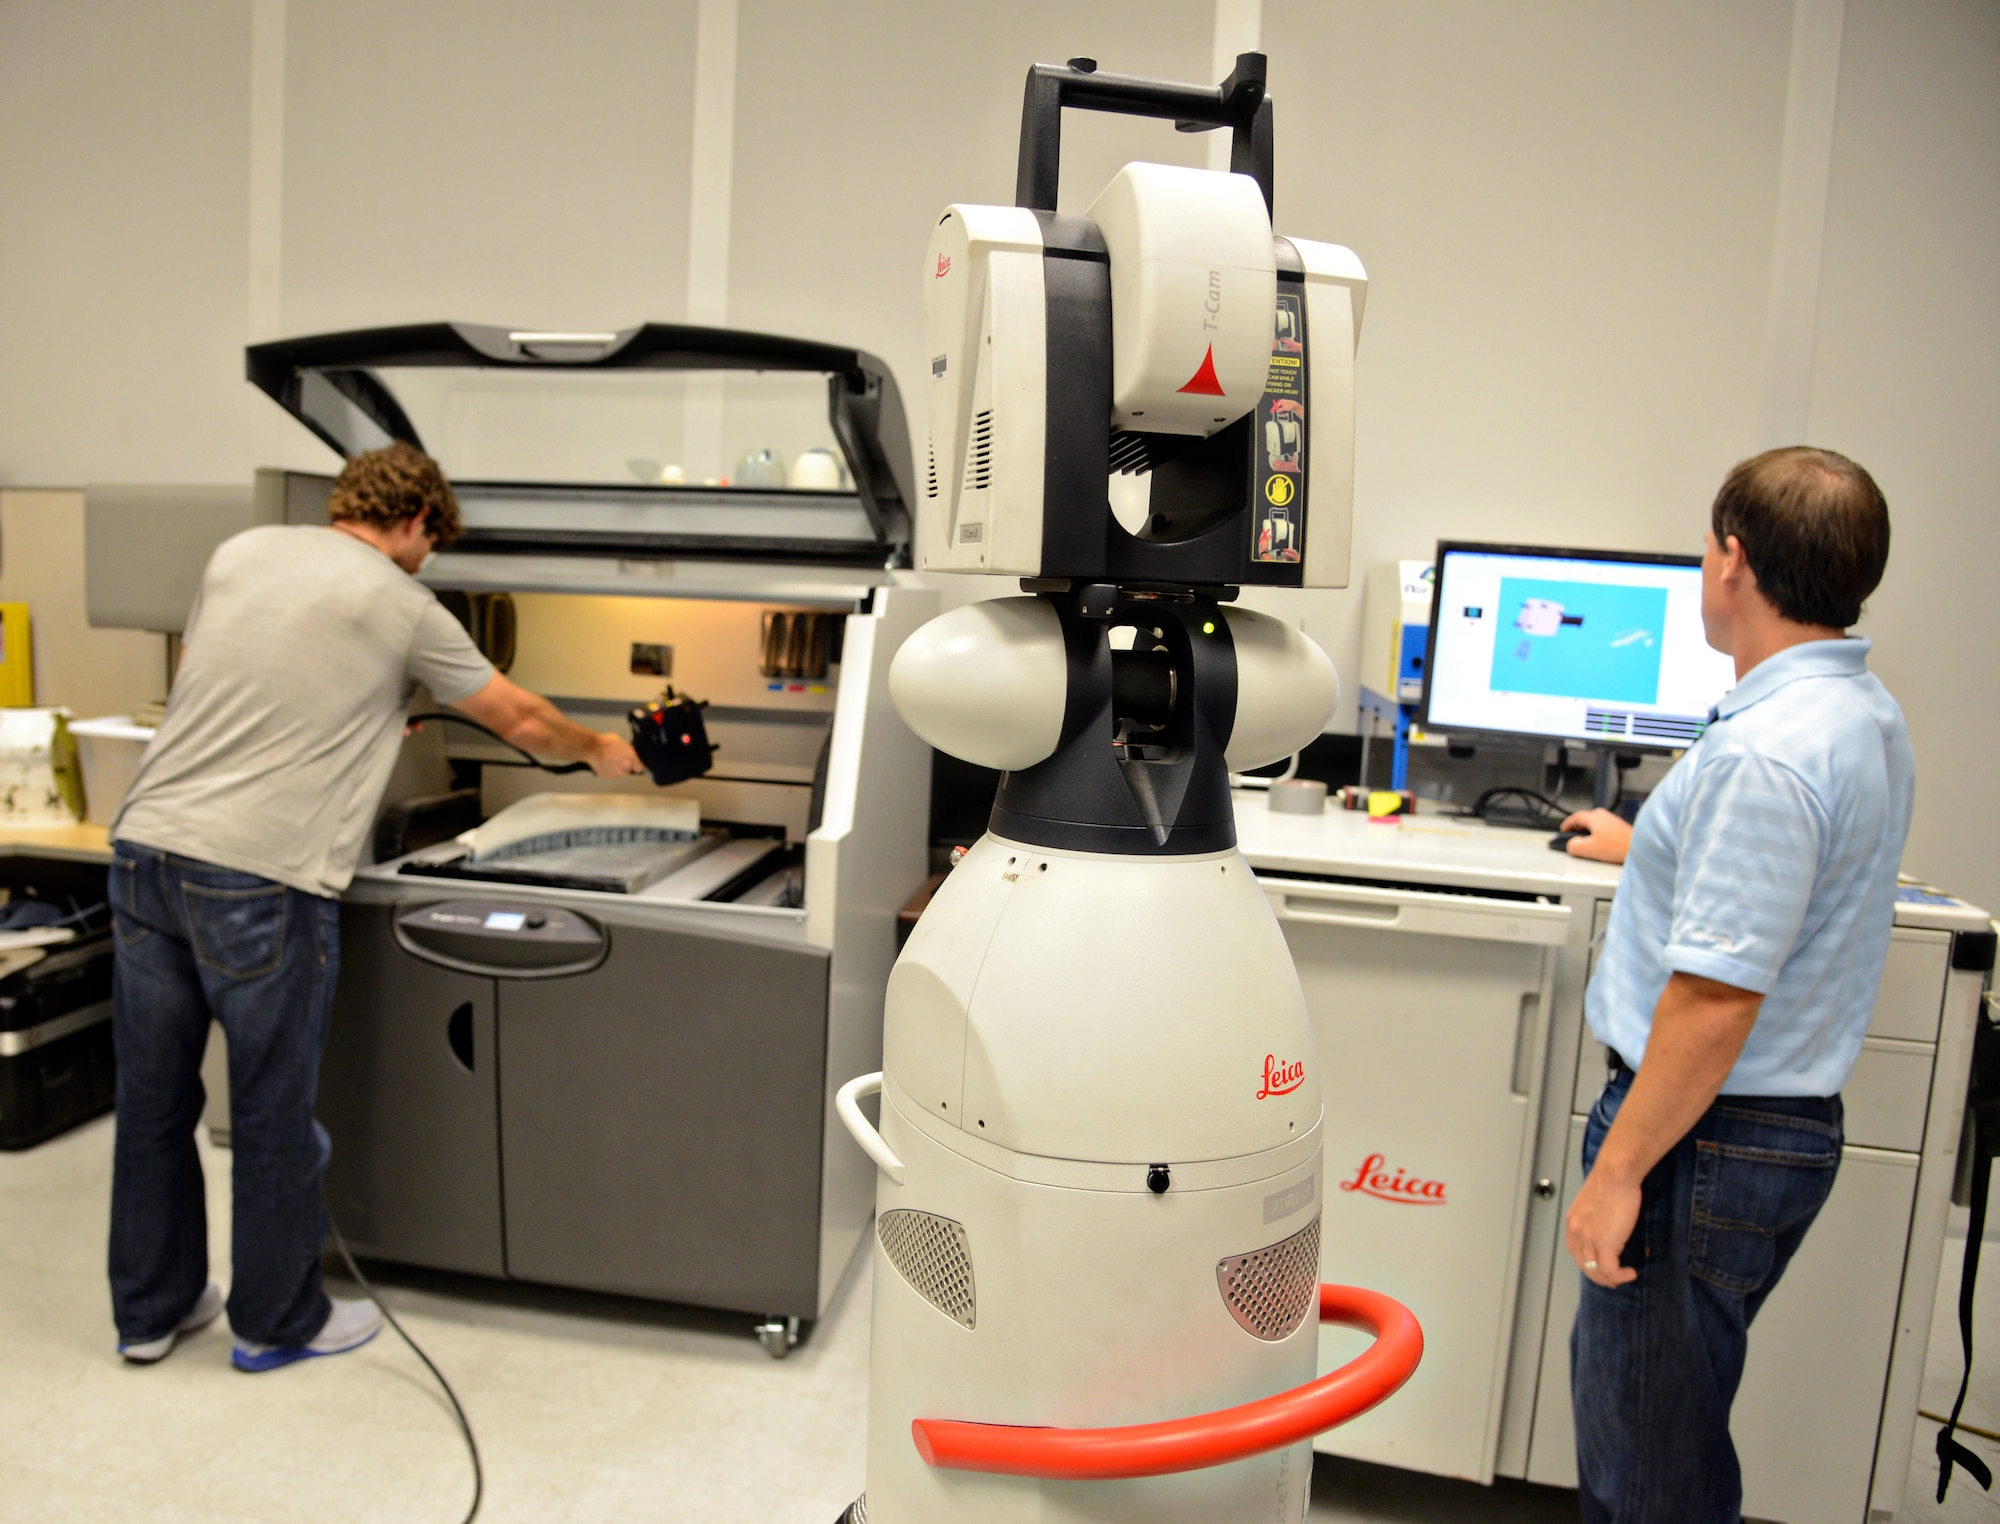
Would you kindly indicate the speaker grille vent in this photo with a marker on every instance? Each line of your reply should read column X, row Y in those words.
column 1270, row 1291
column 979, row 454
column 930, row 470
column 931, row 1253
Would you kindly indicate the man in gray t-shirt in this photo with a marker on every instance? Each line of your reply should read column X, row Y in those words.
column 243, row 826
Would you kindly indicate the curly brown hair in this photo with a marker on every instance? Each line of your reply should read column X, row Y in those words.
column 385, row 487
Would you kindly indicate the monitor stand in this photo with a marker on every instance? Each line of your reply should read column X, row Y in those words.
column 1608, row 787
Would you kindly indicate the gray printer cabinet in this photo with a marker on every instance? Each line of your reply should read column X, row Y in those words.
column 651, row 1127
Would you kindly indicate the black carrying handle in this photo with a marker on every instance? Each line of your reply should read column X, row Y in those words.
column 528, row 758
column 1239, row 102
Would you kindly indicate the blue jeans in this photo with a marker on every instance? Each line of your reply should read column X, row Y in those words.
column 196, row 942
column 1654, row 1364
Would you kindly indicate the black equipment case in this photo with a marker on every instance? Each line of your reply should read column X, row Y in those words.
column 56, row 1066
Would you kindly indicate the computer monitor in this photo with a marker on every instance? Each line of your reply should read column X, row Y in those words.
column 1600, row 646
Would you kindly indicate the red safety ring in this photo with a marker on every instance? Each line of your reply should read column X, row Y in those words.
column 1212, row 1439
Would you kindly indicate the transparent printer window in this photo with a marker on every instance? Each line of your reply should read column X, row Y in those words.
column 736, row 429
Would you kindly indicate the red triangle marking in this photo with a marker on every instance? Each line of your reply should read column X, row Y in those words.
column 1205, row 383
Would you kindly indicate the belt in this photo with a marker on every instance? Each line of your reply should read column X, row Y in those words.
column 1615, row 1061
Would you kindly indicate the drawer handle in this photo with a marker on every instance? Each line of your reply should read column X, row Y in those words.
column 1334, row 912
column 846, row 1102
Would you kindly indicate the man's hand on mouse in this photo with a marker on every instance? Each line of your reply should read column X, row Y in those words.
column 1609, row 839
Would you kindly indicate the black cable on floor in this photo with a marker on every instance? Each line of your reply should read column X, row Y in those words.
column 458, row 1411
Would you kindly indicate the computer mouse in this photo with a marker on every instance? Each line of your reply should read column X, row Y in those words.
column 1561, row 840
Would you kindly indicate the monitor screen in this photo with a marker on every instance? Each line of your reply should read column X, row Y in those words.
column 1603, row 647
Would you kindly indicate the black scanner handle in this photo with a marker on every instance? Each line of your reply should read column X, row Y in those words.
column 1239, row 102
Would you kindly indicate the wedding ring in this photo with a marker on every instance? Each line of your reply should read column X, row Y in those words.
column 1590, row 1264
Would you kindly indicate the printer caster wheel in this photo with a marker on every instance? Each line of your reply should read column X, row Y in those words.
column 856, row 1512
column 778, row 1335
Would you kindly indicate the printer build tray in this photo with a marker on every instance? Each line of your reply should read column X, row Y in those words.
column 611, row 868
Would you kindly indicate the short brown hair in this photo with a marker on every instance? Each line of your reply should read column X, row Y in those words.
column 387, row 486
column 1814, row 528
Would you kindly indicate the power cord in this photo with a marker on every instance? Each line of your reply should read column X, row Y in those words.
column 1961, row 1425
column 528, row 759
column 1533, row 811
column 458, row 1411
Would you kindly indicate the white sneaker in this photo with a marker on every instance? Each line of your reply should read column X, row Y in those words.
column 207, row 1308
column 351, row 1324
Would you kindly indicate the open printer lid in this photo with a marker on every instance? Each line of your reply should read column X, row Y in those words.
column 660, row 441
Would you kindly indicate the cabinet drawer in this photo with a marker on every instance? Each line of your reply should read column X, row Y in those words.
column 1912, row 985
column 1593, row 1068
column 1888, row 1095
column 1886, row 1099
column 1907, row 1011
column 1807, row 1413
column 1364, row 907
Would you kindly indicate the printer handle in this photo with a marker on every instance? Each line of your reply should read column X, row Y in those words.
column 1238, row 102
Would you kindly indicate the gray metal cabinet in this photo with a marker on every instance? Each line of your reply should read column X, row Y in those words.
column 1827, row 1410
column 662, row 1122
column 408, row 1096
column 1812, row 1425
column 1806, row 1416
column 520, row 1089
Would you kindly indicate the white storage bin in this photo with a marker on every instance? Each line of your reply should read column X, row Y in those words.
column 110, row 750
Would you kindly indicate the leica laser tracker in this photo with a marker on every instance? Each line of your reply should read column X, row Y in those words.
column 1097, row 1241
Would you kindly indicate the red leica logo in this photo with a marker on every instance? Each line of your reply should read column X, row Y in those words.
column 1281, row 1078
column 1403, row 1189
column 944, row 266
column 1204, row 382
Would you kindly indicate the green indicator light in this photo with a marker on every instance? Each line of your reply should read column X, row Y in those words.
column 1209, row 628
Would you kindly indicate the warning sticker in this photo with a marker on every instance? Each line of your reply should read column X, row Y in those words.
column 1281, row 440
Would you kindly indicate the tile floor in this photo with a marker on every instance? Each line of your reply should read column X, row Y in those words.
column 586, row 1408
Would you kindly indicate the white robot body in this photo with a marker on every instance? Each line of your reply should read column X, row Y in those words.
column 1026, row 1271
column 1179, row 242
column 988, row 682
column 1097, row 1252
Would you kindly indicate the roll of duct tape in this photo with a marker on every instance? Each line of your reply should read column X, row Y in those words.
column 1298, row 796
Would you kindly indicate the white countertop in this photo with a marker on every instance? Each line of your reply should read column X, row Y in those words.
column 1348, row 843
column 1472, row 853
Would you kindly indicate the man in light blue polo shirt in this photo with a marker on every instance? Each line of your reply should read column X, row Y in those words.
column 1736, row 981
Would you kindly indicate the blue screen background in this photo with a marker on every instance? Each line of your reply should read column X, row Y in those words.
column 1613, row 655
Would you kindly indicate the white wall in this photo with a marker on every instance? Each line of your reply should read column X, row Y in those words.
column 1906, row 378
column 486, row 161
column 856, row 125
column 123, row 163
column 1566, row 211
column 1569, row 211
column 95, row 672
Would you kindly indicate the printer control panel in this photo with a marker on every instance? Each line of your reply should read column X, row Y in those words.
column 505, row 938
